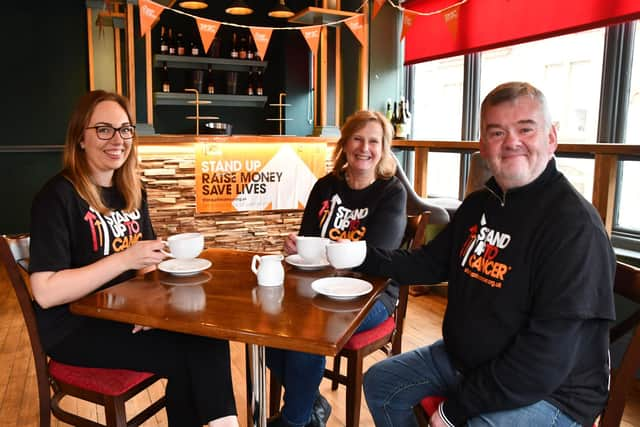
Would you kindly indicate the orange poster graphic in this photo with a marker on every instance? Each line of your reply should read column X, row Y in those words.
column 407, row 21
column 356, row 25
column 377, row 5
column 312, row 36
column 208, row 30
column 149, row 13
column 261, row 36
column 256, row 176
column 451, row 19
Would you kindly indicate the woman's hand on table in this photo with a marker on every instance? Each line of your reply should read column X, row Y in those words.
column 143, row 254
column 290, row 247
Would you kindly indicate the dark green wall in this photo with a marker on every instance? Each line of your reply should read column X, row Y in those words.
column 45, row 72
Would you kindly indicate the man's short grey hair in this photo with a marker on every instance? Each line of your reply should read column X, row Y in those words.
column 510, row 91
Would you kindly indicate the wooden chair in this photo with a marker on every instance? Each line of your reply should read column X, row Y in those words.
column 386, row 337
column 110, row 388
column 627, row 285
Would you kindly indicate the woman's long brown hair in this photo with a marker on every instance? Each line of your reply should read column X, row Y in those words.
column 76, row 168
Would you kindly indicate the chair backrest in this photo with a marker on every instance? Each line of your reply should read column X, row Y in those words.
column 479, row 173
column 416, row 205
column 14, row 254
column 627, row 285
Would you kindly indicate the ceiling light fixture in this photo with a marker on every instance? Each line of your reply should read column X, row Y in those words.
column 193, row 5
column 281, row 11
column 239, row 7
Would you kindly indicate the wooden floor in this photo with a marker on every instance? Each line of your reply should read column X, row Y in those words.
column 19, row 400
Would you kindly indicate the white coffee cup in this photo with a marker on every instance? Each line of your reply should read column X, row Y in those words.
column 312, row 249
column 184, row 245
column 268, row 269
column 346, row 254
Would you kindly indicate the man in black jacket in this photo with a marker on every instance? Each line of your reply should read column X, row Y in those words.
column 530, row 271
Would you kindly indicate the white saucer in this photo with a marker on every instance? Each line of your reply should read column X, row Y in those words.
column 298, row 262
column 340, row 287
column 184, row 267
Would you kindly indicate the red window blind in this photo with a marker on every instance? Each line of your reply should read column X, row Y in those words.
column 488, row 24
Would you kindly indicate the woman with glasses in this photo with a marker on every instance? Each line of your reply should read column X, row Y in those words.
column 90, row 229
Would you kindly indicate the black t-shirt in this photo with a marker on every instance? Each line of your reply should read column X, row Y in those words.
column 67, row 233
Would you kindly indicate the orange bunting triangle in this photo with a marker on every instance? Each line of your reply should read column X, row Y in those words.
column 356, row 25
column 377, row 5
column 451, row 18
column 208, row 30
column 407, row 21
column 312, row 36
column 261, row 36
column 149, row 13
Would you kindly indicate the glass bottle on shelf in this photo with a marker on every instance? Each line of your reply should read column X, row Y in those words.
column 164, row 46
column 394, row 118
column 234, row 47
column 258, row 83
column 166, row 84
column 407, row 117
column 389, row 113
column 401, row 124
column 250, row 83
column 170, row 42
column 250, row 50
column 195, row 46
column 180, row 48
column 210, row 82
column 242, row 48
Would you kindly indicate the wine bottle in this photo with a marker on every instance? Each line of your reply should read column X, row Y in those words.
column 164, row 46
column 171, row 43
column 210, row 83
column 407, row 117
column 234, row 47
column 389, row 113
column 242, row 48
column 394, row 118
column 180, row 48
column 195, row 46
column 401, row 124
column 258, row 89
column 250, row 83
column 166, row 84
column 250, row 50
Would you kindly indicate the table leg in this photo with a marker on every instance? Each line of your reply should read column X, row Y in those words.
column 258, row 368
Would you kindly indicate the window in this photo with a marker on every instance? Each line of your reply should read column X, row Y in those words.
column 628, row 204
column 438, row 104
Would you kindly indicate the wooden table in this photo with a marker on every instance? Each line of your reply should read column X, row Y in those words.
column 226, row 302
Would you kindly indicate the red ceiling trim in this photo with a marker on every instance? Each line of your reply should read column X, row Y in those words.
column 489, row 24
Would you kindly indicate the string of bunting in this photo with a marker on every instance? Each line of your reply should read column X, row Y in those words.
column 150, row 12
column 450, row 14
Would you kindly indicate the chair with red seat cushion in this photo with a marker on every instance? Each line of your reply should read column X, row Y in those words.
column 386, row 337
column 110, row 388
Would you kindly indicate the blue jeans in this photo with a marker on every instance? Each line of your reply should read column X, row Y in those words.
column 395, row 385
column 301, row 373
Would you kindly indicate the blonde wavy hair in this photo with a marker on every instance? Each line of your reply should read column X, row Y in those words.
column 386, row 167
column 76, row 167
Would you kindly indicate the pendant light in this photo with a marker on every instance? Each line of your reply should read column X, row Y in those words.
column 281, row 11
column 239, row 7
column 193, row 5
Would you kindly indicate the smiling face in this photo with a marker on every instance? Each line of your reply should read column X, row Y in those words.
column 363, row 150
column 517, row 141
column 105, row 156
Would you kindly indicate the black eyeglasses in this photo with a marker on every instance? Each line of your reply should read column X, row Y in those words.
column 106, row 132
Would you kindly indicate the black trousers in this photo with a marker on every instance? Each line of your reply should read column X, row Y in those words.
column 199, row 387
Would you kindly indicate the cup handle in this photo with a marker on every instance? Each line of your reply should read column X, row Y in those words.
column 169, row 254
column 254, row 261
